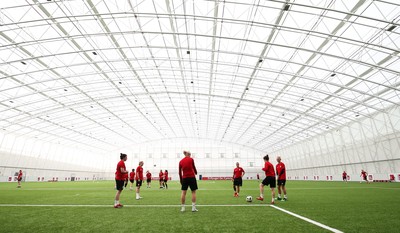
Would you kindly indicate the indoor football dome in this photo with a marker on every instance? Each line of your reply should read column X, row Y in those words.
column 316, row 82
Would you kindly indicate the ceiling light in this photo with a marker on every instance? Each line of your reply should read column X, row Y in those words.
column 302, row 99
column 94, row 53
column 391, row 28
column 188, row 52
column 286, row 7
column 23, row 63
column 332, row 75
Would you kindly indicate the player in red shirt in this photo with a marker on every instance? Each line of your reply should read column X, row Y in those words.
column 19, row 178
column 139, row 179
column 344, row 176
column 238, row 173
column 166, row 179
column 132, row 178
column 120, row 179
column 187, row 176
column 281, row 173
column 269, row 180
column 161, row 179
column 148, row 177
column 364, row 175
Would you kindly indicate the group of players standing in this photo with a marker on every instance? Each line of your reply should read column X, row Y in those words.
column 187, row 176
column 121, row 179
column 270, row 179
column 163, row 178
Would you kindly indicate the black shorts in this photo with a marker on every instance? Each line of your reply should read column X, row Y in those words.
column 269, row 180
column 165, row 180
column 139, row 183
column 281, row 182
column 132, row 181
column 365, row 178
column 189, row 182
column 238, row 181
column 20, row 179
column 120, row 184
column 344, row 178
column 148, row 180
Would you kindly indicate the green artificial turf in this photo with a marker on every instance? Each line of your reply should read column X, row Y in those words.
column 349, row 207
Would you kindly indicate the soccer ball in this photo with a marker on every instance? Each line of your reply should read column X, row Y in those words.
column 249, row 198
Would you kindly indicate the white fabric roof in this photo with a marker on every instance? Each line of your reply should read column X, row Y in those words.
column 107, row 74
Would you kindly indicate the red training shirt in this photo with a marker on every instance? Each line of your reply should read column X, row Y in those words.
column 19, row 175
column 364, row 174
column 344, row 174
column 148, row 176
column 160, row 175
column 281, row 171
column 139, row 173
column 237, row 172
column 269, row 169
column 165, row 175
column 118, row 173
column 132, row 176
column 187, row 169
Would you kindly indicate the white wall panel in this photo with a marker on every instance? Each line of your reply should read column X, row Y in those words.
column 371, row 144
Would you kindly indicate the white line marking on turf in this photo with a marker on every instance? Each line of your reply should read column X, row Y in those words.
column 308, row 220
column 160, row 206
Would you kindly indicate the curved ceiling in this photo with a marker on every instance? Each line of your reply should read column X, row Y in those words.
column 106, row 74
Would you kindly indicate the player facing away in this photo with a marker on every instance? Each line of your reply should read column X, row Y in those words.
column 119, row 179
column 187, row 176
column 139, row 179
column 132, row 178
column 364, row 175
column 281, row 173
column 269, row 180
column 238, row 173
column 161, row 179
column 148, row 179
column 19, row 178
column 344, row 176
column 166, row 179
